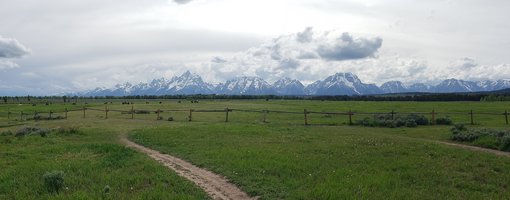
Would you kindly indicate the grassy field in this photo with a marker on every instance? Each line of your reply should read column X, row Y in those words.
column 91, row 161
column 279, row 159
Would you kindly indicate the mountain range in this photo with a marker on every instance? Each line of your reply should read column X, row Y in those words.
column 337, row 84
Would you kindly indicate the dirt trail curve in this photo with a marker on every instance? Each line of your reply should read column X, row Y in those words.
column 473, row 148
column 218, row 187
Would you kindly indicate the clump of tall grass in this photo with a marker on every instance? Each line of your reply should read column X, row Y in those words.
column 54, row 181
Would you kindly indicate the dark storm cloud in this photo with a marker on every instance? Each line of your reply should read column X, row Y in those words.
column 182, row 1
column 348, row 48
column 11, row 48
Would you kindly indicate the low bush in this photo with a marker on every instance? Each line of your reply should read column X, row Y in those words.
column 444, row 121
column 6, row 133
column 411, row 120
column 68, row 131
column 487, row 138
column 170, row 119
column 54, row 181
column 32, row 131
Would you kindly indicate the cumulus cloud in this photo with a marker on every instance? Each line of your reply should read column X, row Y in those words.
column 305, row 36
column 289, row 63
column 469, row 69
column 465, row 63
column 305, row 55
column 182, row 1
column 218, row 59
column 11, row 48
column 7, row 64
column 348, row 48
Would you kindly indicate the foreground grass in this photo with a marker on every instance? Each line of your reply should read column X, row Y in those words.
column 91, row 161
column 280, row 159
column 296, row 162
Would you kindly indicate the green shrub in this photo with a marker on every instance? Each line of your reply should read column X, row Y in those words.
column 53, row 181
column 487, row 138
column 32, row 131
column 106, row 189
column 170, row 119
column 41, row 132
column 419, row 119
column 23, row 131
column 68, row 131
column 6, row 133
column 411, row 123
column 386, row 120
column 444, row 121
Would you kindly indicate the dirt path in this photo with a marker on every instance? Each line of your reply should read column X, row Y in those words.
column 218, row 187
column 473, row 148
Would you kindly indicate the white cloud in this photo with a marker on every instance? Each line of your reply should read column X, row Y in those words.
column 182, row 1
column 11, row 48
column 469, row 69
column 299, row 56
column 7, row 64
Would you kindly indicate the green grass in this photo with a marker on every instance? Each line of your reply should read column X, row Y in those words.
column 296, row 162
column 280, row 159
column 91, row 161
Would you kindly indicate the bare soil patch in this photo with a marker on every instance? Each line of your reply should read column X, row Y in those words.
column 218, row 187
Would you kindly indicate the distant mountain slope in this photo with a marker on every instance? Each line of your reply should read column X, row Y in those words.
column 337, row 84
column 287, row 86
column 342, row 84
column 245, row 86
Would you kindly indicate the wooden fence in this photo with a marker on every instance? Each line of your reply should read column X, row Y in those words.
column 50, row 115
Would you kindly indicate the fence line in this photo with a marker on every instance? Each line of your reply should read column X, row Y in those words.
column 37, row 114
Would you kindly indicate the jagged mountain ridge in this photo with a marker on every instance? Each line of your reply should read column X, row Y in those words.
column 337, row 84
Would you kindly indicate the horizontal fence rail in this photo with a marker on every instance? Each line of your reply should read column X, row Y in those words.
column 40, row 115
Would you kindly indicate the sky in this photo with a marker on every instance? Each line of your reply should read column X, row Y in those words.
column 60, row 46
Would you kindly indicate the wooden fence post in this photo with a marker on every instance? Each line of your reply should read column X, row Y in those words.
column 8, row 113
column 264, row 116
column 50, row 115
column 226, row 114
column 158, row 114
column 392, row 114
column 83, row 112
column 21, row 116
column 190, row 114
column 433, row 122
column 350, row 117
column 506, row 116
column 35, row 116
column 106, row 112
column 471, row 114
column 132, row 111
column 306, row 117
column 66, row 113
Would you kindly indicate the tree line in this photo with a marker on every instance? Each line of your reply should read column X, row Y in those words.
column 387, row 97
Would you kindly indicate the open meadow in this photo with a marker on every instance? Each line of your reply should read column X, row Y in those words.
column 263, row 147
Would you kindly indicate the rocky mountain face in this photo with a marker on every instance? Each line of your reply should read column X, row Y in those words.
column 337, row 84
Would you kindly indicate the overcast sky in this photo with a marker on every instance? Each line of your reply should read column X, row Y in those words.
column 56, row 46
